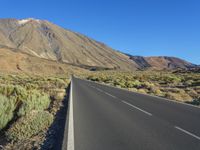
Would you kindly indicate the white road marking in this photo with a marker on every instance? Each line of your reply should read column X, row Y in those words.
column 187, row 132
column 110, row 95
column 159, row 98
column 70, row 140
column 93, row 87
column 137, row 108
column 99, row 90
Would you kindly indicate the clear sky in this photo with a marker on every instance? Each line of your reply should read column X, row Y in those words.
column 137, row 27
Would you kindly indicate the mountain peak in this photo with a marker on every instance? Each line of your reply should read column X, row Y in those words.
column 23, row 21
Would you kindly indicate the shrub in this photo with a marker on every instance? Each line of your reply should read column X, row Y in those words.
column 178, row 96
column 19, row 92
column 188, row 82
column 7, row 106
column 142, row 91
column 133, row 84
column 93, row 78
column 59, row 83
column 132, row 89
column 6, row 90
column 193, row 93
column 35, row 101
column 29, row 125
column 155, row 90
column 147, row 85
column 57, row 94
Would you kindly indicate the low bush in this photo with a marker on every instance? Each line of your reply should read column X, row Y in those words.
column 7, row 106
column 133, row 84
column 182, row 96
column 35, row 101
column 29, row 125
column 142, row 91
column 17, row 91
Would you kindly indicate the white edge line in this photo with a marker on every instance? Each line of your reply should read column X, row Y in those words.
column 158, row 97
column 70, row 137
column 137, row 108
column 187, row 132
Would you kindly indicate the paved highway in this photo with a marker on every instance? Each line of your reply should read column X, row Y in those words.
column 106, row 118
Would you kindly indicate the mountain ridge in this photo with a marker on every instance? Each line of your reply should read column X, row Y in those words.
column 43, row 39
column 162, row 62
column 46, row 40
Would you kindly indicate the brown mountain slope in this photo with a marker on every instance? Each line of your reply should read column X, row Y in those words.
column 161, row 62
column 46, row 40
column 17, row 62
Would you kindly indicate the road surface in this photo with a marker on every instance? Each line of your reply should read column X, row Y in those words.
column 107, row 118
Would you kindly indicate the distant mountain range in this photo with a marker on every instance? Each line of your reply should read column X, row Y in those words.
column 45, row 40
column 162, row 62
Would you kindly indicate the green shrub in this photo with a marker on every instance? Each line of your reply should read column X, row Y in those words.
column 172, row 79
column 7, row 90
column 11, row 90
column 29, row 125
column 35, row 101
column 7, row 106
column 133, row 84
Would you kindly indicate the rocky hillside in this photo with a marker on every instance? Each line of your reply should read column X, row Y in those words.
column 43, row 39
column 161, row 62
column 16, row 62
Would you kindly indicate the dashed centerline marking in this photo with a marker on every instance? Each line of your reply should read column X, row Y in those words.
column 99, row 90
column 123, row 101
column 137, row 108
column 110, row 95
column 187, row 132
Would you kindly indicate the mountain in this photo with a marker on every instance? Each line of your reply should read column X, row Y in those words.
column 27, row 43
column 16, row 62
column 45, row 40
column 161, row 62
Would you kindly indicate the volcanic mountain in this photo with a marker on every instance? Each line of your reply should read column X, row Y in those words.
column 43, row 40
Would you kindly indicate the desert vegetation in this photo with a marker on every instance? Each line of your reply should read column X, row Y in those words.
column 28, row 105
column 179, row 86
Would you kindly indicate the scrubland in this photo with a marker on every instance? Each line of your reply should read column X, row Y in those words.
column 28, row 105
column 179, row 86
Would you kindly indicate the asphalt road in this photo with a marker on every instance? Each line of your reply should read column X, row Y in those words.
column 106, row 118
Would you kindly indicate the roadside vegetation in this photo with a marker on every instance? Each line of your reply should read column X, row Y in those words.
column 28, row 105
column 179, row 86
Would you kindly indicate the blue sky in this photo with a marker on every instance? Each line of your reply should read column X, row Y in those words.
column 138, row 27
